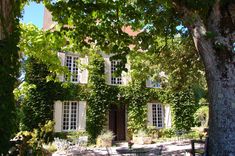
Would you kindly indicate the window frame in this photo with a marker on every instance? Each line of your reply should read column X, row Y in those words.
column 153, row 84
column 115, row 80
column 155, row 113
column 70, row 116
column 74, row 71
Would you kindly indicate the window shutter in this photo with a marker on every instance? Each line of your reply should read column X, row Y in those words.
column 167, row 116
column 107, row 70
column 125, row 75
column 61, row 56
column 83, row 77
column 82, row 115
column 58, row 116
column 150, row 117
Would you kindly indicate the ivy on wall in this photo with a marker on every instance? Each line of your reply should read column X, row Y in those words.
column 37, row 108
column 184, row 107
column 136, row 97
column 101, row 97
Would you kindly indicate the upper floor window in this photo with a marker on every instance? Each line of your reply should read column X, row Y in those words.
column 70, row 115
column 115, row 79
column 153, row 84
column 71, row 63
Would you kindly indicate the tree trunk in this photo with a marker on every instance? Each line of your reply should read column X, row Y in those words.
column 218, row 56
column 6, row 17
column 9, row 64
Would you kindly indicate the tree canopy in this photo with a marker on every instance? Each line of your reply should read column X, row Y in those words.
column 211, row 25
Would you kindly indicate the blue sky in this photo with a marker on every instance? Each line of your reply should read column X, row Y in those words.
column 33, row 13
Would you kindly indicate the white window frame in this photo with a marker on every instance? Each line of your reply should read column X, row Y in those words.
column 153, row 84
column 70, row 117
column 157, row 117
column 115, row 80
column 73, row 69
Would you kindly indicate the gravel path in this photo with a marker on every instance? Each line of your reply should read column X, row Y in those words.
column 177, row 148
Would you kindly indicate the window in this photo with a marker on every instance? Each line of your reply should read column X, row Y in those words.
column 156, row 115
column 115, row 79
column 70, row 115
column 153, row 84
column 71, row 63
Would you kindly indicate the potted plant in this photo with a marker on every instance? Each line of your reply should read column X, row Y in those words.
column 130, row 144
column 141, row 137
column 105, row 139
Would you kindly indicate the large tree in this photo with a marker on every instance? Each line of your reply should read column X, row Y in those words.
column 9, row 36
column 210, row 23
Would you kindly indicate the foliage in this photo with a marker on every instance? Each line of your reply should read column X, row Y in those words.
column 50, row 147
column 106, row 135
column 153, row 132
column 61, row 144
column 136, row 96
column 141, row 133
column 73, row 136
column 38, row 106
column 184, row 106
column 167, row 133
column 201, row 116
column 180, row 63
column 99, row 97
column 42, row 46
column 33, row 140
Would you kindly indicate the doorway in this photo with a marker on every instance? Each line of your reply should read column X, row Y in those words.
column 117, row 122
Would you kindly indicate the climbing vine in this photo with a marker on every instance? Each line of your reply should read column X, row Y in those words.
column 184, row 106
column 37, row 108
column 99, row 99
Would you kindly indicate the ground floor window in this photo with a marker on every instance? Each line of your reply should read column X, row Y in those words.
column 70, row 115
column 156, row 115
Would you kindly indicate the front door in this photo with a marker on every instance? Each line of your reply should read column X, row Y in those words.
column 117, row 122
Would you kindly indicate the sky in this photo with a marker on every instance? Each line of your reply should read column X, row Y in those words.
column 33, row 13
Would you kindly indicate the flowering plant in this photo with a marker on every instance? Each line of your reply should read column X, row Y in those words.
column 130, row 144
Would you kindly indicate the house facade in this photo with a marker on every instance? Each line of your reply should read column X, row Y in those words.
column 71, row 115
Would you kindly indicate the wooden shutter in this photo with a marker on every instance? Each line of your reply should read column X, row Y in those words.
column 107, row 70
column 125, row 75
column 83, row 75
column 150, row 116
column 58, row 116
column 167, row 116
column 82, row 115
column 61, row 56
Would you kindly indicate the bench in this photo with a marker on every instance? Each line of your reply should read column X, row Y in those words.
column 201, row 151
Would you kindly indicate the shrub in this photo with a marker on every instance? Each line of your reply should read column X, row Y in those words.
column 61, row 144
column 105, row 139
column 73, row 136
column 201, row 116
column 35, row 139
column 167, row 133
column 106, row 135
